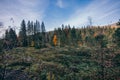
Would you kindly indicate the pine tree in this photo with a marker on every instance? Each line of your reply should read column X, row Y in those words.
column 59, row 33
column 43, row 27
column 37, row 26
column 116, row 36
column 43, row 34
column 13, row 37
column 22, row 34
column 63, row 38
column 10, row 39
column 100, row 39
column 36, row 35
column 29, row 33
column 1, row 46
column 118, row 23
column 32, row 28
column 28, row 28
column 73, row 35
column 6, row 35
column 79, row 37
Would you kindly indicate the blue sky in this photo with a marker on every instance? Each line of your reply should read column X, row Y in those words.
column 57, row 12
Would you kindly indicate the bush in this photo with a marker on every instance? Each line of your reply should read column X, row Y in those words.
column 116, row 60
column 19, row 64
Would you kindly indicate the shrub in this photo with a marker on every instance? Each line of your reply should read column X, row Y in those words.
column 116, row 60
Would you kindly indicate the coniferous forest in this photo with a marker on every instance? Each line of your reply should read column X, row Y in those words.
column 67, row 53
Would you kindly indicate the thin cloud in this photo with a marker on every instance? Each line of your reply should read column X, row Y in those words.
column 19, row 10
column 97, row 10
column 60, row 4
column 59, row 12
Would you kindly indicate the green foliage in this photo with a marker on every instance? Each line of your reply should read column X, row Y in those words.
column 43, row 34
column 23, row 35
column 61, row 63
column 10, row 39
column 73, row 34
column 116, row 60
column 43, row 27
column 116, row 36
column 77, row 57
column 118, row 23
column 100, row 39
column 19, row 64
column 13, row 37
column 1, row 46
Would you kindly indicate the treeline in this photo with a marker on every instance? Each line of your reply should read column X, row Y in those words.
column 33, row 34
column 89, row 36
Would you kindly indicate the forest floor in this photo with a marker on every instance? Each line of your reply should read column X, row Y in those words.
column 65, row 63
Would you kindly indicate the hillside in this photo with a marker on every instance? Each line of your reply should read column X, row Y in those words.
column 59, row 40
column 88, row 53
column 60, row 64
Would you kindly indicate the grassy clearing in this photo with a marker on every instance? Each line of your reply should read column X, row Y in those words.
column 61, row 63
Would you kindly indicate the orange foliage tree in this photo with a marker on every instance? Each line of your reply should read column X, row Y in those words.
column 55, row 40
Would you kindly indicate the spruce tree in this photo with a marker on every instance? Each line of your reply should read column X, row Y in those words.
column 118, row 23
column 73, row 35
column 32, row 28
column 100, row 39
column 22, row 34
column 6, row 35
column 28, row 28
column 43, row 34
column 29, row 32
column 12, row 38
column 63, row 38
column 43, row 27
column 1, row 46
column 37, row 26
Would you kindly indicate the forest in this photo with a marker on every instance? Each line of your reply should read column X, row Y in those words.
column 67, row 53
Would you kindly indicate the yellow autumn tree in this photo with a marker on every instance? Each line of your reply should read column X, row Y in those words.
column 55, row 40
column 50, row 76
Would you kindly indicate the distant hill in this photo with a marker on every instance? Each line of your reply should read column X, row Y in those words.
column 114, row 25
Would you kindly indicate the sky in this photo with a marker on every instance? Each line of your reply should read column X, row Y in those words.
column 54, row 13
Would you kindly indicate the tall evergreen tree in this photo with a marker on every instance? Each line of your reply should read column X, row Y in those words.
column 32, row 28
column 22, row 34
column 29, row 33
column 6, row 41
column 10, row 39
column 37, row 26
column 118, row 23
column 13, row 37
column 6, row 35
column 42, row 27
column 36, row 37
column 1, row 46
column 73, row 35
column 63, row 38
column 28, row 28
column 43, row 34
